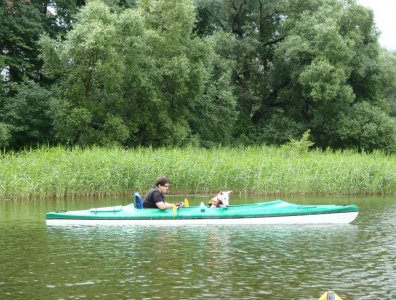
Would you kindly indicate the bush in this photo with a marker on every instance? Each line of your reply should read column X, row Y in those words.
column 367, row 128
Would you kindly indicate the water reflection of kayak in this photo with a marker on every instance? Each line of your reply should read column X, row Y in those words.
column 273, row 212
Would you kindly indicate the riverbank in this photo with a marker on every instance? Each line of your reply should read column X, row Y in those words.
column 59, row 172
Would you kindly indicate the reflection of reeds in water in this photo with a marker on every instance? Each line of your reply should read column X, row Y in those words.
column 58, row 172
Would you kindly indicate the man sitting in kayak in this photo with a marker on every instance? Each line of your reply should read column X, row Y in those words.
column 155, row 196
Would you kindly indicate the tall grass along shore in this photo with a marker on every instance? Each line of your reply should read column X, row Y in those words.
column 59, row 172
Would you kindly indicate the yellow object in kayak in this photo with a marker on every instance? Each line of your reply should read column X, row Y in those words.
column 330, row 296
column 186, row 203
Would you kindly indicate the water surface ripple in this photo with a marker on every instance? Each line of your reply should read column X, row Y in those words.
column 198, row 262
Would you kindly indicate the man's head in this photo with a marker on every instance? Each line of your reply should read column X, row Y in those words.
column 162, row 184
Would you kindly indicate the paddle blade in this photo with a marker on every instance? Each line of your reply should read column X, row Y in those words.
column 186, row 203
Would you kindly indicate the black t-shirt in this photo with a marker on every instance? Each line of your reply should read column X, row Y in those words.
column 152, row 198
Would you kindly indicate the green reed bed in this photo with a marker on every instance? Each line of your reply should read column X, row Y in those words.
column 59, row 172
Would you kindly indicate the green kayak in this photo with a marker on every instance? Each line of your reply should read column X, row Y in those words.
column 273, row 212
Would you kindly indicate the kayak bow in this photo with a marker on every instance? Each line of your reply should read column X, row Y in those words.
column 330, row 295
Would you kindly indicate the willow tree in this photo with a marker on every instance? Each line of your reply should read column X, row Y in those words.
column 23, row 102
column 24, row 119
column 303, row 65
column 329, row 72
column 133, row 76
column 254, row 31
column 87, row 71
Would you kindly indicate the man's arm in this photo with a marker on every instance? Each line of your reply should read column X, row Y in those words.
column 164, row 205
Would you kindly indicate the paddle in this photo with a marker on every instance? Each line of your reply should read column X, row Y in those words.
column 180, row 204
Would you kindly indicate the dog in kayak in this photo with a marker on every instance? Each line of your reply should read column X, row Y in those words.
column 222, row 199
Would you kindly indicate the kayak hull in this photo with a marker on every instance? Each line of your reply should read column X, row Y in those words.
column 341, row 218
column 275, row 212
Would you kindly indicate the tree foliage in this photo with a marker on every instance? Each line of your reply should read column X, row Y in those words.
column 301, row 65
column 21, row 26
column 25, row 116
column 24, row 96
column 200, row 72
column 134, row 77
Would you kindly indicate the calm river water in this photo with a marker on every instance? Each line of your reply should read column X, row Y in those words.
column 357, row 261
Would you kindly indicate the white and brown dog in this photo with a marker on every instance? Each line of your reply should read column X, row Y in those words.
column 222, row 199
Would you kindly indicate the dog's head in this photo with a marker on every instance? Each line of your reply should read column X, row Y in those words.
column 224, row 197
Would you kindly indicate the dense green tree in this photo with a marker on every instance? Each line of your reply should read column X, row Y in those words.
column 172, row 62
column 388, row 59
column 21, row 24
column 193, row 82
column 330, row 61
column 59, row 15
column 24, row 102
column 214, row 114
column 135, row 77
column 301, row 65
column 254, row 28
column 311, row 69
column 88, row 69
column 203, row 72
column 26, row 115
column 366, row 127
column 4, row 131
